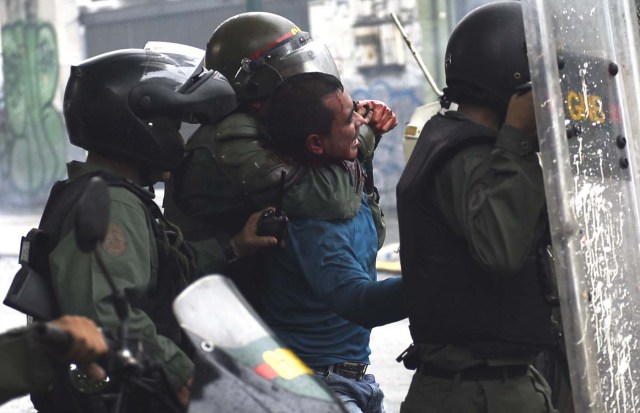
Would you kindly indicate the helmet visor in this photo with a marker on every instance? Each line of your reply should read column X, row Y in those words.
column 174, row 84
column 171, row 64
column 298, row 55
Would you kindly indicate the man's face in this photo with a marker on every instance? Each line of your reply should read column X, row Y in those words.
column 342, row 143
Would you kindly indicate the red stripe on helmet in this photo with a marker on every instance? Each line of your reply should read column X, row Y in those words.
column 279, row 40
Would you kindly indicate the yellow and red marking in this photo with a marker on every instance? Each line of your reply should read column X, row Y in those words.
column 283, row 363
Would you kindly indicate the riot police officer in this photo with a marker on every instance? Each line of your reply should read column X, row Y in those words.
column 471, row 212
column 125, row 108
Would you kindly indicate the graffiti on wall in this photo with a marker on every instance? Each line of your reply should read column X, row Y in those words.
column 32, row 136
column 389, row 159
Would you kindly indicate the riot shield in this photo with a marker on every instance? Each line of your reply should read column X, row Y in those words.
column 586, row 85
column 241, row 365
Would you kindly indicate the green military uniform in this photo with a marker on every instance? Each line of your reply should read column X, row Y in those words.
column 132, row 255
column 24, row 363
column 515, row 196
column 501, row 248
column 527, row 393
column 485, row 191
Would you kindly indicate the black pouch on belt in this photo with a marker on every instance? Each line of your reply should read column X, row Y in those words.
column 409, row 357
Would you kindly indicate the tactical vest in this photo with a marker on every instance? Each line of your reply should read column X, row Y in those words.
column 451, row 299
column 167, row 279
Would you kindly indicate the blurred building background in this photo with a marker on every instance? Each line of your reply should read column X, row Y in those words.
column 42, row 38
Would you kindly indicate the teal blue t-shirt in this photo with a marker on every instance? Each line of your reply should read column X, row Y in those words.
column 322, row 295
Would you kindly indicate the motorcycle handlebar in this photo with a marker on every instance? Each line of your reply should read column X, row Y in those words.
column 59, row 342
column 57, row 339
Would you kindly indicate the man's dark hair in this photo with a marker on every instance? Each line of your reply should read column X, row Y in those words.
column 296, row 110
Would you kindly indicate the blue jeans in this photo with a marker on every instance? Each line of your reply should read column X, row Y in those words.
column 357, row 396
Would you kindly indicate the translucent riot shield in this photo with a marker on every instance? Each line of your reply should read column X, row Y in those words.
column 584, row 69
column 241, row 365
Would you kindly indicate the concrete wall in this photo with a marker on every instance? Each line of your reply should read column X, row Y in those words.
column 375, row 63
column 39, row 39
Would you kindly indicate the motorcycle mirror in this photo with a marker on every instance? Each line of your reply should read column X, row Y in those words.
column 92, row 215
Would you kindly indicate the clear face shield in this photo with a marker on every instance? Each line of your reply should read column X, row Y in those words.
column 299, row 55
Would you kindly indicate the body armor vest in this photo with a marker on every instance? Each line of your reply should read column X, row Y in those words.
column 451, row 299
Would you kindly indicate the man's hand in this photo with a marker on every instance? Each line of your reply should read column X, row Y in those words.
column 521, row 114
column 87, row 343
column 246, row 242
column 378, row 115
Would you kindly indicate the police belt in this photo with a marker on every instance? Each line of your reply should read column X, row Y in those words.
column 349, row 369
column 475, row 373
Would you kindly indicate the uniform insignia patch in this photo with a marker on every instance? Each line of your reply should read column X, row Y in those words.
column 115, row 242
column 477, row 197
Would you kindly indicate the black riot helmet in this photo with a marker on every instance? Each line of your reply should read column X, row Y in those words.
column 257, row 50
column 486, row 57
column 129, row 103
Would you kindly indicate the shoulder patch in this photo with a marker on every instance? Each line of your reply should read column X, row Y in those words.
column 115, row 242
